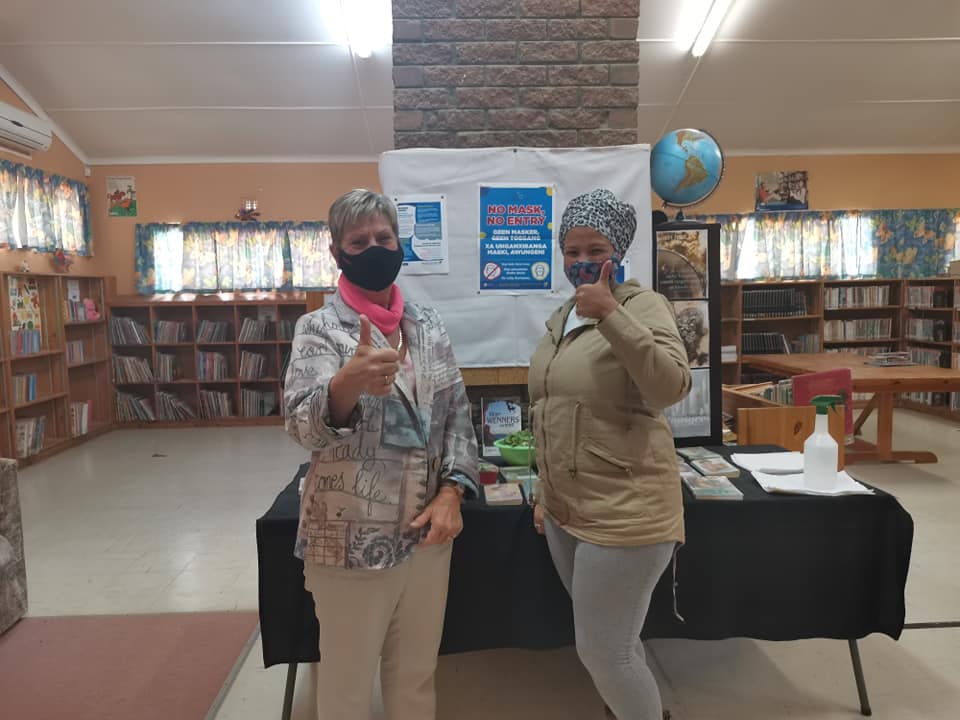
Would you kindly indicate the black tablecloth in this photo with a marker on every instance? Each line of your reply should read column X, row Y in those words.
column 772, row 567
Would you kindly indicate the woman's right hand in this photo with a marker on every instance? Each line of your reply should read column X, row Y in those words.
column 538, row 518
column 371, row 370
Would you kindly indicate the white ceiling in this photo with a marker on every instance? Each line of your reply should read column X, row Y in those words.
column 200, row 80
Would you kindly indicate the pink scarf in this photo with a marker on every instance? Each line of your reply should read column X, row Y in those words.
column 385, row 318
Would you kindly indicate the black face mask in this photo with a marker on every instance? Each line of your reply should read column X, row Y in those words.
column 373, row 269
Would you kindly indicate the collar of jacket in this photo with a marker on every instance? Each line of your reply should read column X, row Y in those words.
column 621, row 293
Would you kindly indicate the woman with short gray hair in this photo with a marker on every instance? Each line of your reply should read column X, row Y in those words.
column 374, row 391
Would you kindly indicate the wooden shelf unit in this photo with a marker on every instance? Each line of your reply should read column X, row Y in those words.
column 59, row 384
column 191, row 310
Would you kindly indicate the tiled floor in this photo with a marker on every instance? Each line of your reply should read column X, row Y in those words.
column 162, row 521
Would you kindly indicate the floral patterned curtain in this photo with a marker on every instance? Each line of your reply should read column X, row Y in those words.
column 869, row 243
column 43, row 212
column 227, row 256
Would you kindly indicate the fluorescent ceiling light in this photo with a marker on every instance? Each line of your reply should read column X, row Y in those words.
column 367, row 25
column 710, row 25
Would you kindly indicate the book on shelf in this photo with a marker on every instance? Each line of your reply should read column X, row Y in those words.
column 74, row 311
column 711, row 487
column 29, row 434
column 169, row 331
column 715, row 466
column 132, row 370
column 856, row 296
column 252, row 330
column 215, row 404
column 80, row 417
column 26, row 315
column 931, row 357
column 928, row 296
column 127, row 331
column 929, row 330
column 859, row 329
column 168, row 367
column 212, row 331
column 808, row 343
column 212, row 366
column 24, row 388
column 25, row 341
column 780, row 392
column 133, row 408
column 498, row 494
column 251, row 365
column 172, row 407
column 75, row 352
column 728, row 353
column 285, row 329
column 257, row 403
column 774, row 303
column 764, row 344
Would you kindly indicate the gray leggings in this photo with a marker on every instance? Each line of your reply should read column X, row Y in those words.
column 611, row 588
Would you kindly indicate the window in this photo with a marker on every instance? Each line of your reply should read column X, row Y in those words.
column 43, row 212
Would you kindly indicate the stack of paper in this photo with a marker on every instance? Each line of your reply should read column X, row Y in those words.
column 773, row 463
column 794, row 484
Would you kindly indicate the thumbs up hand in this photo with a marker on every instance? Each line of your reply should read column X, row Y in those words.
column 371, row 370
column 596, row 300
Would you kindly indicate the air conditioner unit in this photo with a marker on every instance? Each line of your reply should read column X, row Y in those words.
column 22, row 131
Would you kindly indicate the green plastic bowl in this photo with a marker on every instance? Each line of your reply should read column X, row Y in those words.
column 521, row 455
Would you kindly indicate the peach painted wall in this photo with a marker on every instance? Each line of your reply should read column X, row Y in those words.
column 181, row 193
column 846, row 182
column 58, row 159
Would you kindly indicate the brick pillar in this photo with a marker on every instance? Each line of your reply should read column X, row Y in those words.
column 486, row 73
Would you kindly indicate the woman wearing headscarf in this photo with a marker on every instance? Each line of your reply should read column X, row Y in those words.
column 611, row 503
column 374, row 391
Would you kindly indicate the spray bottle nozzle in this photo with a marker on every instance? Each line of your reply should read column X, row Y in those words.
column 823, row 403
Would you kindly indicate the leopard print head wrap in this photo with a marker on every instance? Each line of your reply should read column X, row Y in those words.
column 601, row 210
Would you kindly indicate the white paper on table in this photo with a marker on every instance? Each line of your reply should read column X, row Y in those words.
column 773, row 463
column 794, row 484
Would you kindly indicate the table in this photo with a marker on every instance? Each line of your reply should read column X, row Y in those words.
column 771, row 567
column 884, row 382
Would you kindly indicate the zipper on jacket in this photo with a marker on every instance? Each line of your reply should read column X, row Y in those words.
column 543, row 415
column 574, row 440
column 607, row 458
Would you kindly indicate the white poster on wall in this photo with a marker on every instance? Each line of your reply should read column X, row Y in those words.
column 422, row 220
column 501, row 329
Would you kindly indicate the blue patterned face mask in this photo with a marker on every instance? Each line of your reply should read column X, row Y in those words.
column 588, row 273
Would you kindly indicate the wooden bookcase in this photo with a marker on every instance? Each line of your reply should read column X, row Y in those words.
column 59, row 382
column 193, row 310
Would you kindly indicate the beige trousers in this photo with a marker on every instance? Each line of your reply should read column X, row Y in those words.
column 392, row 616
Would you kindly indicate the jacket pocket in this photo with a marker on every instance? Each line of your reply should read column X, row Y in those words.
column 606, row 456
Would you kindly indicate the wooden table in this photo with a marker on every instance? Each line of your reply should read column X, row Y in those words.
column 884, row 382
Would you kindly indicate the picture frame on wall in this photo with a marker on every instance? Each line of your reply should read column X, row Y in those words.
column 687, row 263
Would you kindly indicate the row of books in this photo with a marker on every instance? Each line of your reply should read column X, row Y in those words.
column 169, row 331
column 168, row 367
column 780, row 392
column 29, row 435
column 75, row 352
column 133, row 408
column 932, row 357
column 933, row 399
column 809, row 343
column 129, row 370
column 215, row 404
column 251, row 365
column 859, row 329
column 285, row 329
column 764, row 343
column 172, row 407
column 773, row 303
column 212, row 366
column 80, row 417
column 928, row 296
column 24, row 388
column 256, row 403
column 24, row 341
column 127, row 331
column 862, row 349
column 928, row 329
column 854, row 296
column 74, row 311
column 253, row 330
column 213, row 331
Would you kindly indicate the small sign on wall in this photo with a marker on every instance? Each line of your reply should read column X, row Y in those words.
column 122, row 196
column 781, row 191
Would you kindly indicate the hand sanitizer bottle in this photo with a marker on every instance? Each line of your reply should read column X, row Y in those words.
column 820, row 451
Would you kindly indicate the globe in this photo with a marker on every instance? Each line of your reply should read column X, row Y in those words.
column 685, row 167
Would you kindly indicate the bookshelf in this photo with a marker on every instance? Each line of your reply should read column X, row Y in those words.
column 931, row 332
column 208, row 359
column 55, row 385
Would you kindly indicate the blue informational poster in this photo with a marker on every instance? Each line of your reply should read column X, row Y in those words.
column 422, row 222
column 516, row 237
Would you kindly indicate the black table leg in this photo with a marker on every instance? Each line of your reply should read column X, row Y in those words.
column 288, row 691
column 861, row 683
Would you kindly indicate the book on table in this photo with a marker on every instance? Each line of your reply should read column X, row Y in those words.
column 712, row 487
column 503, row 494
column 715, row 466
